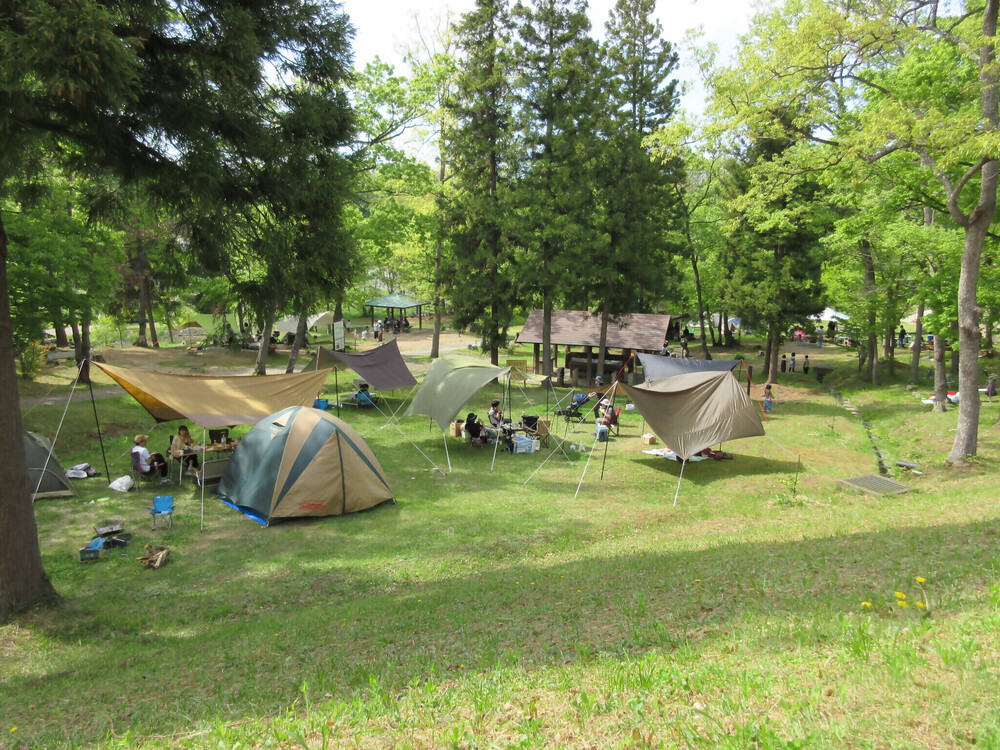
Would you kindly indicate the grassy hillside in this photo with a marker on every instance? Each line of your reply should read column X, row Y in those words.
column 497, row 606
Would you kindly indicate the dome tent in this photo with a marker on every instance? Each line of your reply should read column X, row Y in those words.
column 299, row 462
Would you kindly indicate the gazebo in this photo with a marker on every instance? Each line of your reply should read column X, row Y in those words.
column 393, row 302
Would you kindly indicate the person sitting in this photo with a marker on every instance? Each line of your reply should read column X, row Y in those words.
column 182, row 441
column 363, row 397
column 475, row 430
column 147, row 463
column 495, row 414
column 608, row 416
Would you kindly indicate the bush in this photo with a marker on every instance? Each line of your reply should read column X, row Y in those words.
column 32, row 359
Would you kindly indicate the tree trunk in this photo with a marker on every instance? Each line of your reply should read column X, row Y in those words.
column 59, row 325
column 767, row 354
column 978, row 224
column 701, row 305
column 23, row 582
column 940, row 376
column 918, row 345
column 298, row 342
column 83, row 364
column 265, row 345
column 774, row 345
column 149, row 312
column 868, row 263
column 547, row 336
column 605, row 314
column 728, row 337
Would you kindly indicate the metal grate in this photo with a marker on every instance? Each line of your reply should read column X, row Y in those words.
column 873, row 484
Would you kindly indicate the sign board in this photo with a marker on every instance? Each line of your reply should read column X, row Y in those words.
column 338, row 336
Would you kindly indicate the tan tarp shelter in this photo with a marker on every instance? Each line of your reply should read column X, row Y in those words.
column 450, row 382
column 696, row 410
column 291, row 323
column 303, row 462
column 217, row 401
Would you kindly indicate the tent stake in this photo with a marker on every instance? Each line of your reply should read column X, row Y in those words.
column 683, row 464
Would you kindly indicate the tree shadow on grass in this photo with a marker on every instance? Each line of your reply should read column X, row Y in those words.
column 237, row 639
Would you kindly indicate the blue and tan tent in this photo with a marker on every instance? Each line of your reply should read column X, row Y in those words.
column 303, row 462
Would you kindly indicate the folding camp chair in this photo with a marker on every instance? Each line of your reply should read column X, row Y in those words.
column 162, row 510
column 137, row 475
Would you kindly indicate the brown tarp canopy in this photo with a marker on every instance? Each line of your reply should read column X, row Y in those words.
column 217, row 401
column 383, row 367
column 696, row 410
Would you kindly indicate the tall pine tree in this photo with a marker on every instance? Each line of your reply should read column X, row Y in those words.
column 483, row 276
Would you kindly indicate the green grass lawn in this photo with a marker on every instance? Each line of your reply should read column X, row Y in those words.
column 502, row 609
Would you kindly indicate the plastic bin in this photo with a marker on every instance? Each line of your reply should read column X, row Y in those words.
column 321, row 403
column 602, row 434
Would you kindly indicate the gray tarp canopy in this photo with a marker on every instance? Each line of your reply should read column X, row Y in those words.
column 696, row 410
column 450, row 382
column 656, row 366
column 383, row 367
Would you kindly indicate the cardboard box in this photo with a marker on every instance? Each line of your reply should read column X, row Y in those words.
column 456, row 429
column 649, row 439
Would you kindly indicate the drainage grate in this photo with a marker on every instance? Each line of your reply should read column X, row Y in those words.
column 873, row 484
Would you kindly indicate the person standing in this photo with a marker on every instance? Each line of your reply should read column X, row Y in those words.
column 902, row 336
column 805, row 365
column 791, row 363
column 784, row 363
column 768, row 401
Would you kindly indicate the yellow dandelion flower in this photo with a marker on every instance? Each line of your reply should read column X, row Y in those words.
column 921, row 605
column 904, row 605
column 920, row 579
column 697, row 580
column 866, row 604
column 578, row 591
column 461, row 666
column 532, row 583
column 900, row 595
column 13, row 729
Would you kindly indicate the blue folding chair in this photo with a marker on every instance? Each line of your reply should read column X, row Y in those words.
column 163, row 511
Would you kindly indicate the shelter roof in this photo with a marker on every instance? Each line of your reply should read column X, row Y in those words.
column 214, row 400
column 395, row 300
column 383, row 367
column 580, row 328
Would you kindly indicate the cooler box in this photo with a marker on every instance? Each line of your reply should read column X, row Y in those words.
column 602, row 434
column 524, row 445
column 321, row 403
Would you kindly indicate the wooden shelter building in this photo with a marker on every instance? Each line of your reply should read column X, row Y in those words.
column 578, row 332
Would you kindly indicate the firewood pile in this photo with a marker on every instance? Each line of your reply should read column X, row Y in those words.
column 155, row 557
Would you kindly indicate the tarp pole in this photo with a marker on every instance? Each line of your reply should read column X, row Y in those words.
column 614, row 390
column 683, row 464
column 204, row 437
column 444, row 436
column 336, row 383
column 584, row 473
column 97, row 421
column 55, row 438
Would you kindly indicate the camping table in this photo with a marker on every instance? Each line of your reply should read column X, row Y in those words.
column 226, row 448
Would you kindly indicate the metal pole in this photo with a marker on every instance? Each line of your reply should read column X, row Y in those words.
column 97, row 421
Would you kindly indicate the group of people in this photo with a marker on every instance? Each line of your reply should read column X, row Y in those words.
column 788, row 363
column 149, row 464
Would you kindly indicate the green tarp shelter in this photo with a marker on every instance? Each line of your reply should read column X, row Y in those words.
column 46, row 477
column 303, row 462
column 450, row 382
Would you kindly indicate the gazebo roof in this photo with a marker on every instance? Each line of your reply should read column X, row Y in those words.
column 579, row 328
column 395, row 300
